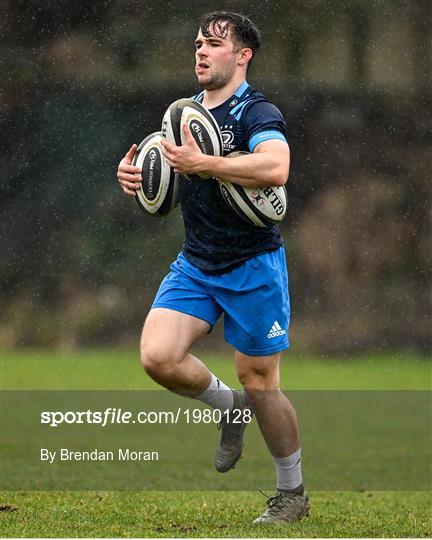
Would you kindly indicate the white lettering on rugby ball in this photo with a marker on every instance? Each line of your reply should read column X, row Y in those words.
column 157, row 193
column 203, row 131
column 261, row 206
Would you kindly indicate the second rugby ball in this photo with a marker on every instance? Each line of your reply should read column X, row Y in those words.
column 157, row 195
column 201, row 123
column 259, row 206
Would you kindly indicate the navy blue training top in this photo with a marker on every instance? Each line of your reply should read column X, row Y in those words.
column 217, row 239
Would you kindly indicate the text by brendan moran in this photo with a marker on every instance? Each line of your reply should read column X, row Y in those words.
column 121, row 454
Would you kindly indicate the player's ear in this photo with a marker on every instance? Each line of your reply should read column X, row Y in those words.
column 244, row 56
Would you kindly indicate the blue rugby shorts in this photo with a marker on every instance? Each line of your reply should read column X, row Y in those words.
column 253, row 297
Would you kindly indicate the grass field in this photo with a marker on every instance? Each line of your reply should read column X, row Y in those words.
column 210, row 513
column 120, row 369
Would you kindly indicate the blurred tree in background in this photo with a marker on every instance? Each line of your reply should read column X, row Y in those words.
column 81, row 81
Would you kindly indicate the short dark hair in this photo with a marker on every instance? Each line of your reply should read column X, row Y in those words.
column 244, row 31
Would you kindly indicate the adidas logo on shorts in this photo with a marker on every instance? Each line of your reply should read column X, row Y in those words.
column 276, row 330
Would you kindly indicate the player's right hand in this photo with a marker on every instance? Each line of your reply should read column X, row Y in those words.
column 129, row 176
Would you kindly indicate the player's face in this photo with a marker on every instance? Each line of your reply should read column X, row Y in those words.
column 215, row 60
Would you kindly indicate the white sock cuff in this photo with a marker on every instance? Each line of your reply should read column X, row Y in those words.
column 218, row 395
column 288, row 462
column 288, row 471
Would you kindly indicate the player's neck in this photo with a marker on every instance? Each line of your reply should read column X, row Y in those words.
column 213, row 98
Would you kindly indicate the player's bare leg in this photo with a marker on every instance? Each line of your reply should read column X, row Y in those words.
column 276, row 416
column 166, row 339
column 277, row 420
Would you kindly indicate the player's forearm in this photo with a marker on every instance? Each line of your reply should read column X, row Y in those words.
column 259, row 169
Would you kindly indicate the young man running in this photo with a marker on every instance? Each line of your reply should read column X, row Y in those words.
column 228, row 266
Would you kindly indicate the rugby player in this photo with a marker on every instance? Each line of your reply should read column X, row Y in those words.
column 228, row 266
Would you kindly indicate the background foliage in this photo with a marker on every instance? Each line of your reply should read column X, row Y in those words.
column 81, row 81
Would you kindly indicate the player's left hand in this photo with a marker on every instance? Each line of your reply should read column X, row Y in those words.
column 187, row 158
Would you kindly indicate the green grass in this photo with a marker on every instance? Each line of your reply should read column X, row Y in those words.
column 195, row 514
column 120, row 369
column 209, row 514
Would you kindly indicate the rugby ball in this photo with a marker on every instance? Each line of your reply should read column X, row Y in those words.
column 157, row 195
column 260, row 206
column 202, row 124
column 171, row 121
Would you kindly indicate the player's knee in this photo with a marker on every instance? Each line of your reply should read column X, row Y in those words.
column 257, row 378
column 149, row 359
column 156, row 359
